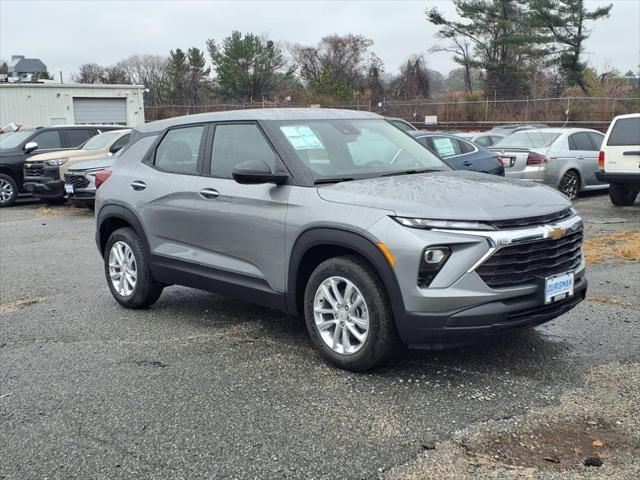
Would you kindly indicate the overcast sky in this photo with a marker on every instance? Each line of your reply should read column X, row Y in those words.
column 64, row 34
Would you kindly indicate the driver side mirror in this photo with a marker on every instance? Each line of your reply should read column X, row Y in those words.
column 115, row 148
column 30, row 147
column 256, row 172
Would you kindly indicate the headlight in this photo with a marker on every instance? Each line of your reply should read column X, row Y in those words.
column 56, row 161
column 443, row 224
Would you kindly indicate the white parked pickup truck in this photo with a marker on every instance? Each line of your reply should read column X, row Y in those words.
column 619, row 160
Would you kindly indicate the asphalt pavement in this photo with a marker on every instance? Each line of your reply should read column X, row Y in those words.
column 199, row 386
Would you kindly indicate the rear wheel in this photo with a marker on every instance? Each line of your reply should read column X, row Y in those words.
column 622, row 195
column 348, row 316
column 570, row 184
column 8, row 190
column 126, row 267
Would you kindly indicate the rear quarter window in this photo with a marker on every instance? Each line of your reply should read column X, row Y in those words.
column 626, row 131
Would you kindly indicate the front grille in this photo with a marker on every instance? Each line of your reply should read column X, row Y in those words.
column 78, row 181
column 523, row 263
column 34, row 170
column 532, row 221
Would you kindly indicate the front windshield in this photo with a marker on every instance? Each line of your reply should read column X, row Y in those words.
column 356, row 148
column 100, row 141
column 9, row 141
column 528, row 139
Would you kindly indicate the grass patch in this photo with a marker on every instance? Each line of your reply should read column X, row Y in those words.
column 63, row 210
column 623, row 246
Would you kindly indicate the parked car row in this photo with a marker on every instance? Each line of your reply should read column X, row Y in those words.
column 16, row 147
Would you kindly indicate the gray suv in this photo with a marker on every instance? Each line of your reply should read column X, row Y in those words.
column 341, row 217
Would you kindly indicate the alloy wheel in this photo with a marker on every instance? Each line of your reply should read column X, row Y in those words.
column 6, row 190
column 569, row 185
column 341, row 315
column 123, row 269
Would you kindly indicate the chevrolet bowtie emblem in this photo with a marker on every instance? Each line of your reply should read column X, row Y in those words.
column 556, row 233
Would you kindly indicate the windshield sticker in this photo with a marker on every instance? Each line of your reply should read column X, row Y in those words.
column 302, row 138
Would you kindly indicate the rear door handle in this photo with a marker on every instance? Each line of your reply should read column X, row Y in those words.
column 138, row 185
column 580, row 157
column 467, row 163
column 209, row 193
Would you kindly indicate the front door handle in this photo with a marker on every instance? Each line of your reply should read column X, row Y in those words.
column 467, row 163
column 209, row 193
column 580, row 157
column 631, row 153
column 138, row 185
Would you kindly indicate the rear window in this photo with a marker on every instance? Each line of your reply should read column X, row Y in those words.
column 528, row 139
column 626, row 131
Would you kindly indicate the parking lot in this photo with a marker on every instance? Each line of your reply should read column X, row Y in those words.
column 203, row 387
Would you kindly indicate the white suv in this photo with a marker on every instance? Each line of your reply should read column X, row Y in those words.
column 619, row 159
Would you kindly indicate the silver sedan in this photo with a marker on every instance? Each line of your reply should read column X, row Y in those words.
column 564, row 158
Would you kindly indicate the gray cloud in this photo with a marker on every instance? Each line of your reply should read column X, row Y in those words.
column 65, row 34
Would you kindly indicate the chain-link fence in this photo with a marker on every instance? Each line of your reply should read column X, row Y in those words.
column 595, row 111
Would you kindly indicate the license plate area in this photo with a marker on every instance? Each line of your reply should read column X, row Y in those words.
column 558, row 287
column 68, row 188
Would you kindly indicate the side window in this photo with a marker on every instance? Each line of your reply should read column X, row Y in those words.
column 234, row 144
column 596, row 139
column 483, row 141
column 178, row 151
column 465, row 147
column 121, row 142
column 445, row 146
column 580, row 141
column 77, row 136
column 50, row 139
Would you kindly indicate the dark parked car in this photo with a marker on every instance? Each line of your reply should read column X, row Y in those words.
column 20, row 145
column 460, row 154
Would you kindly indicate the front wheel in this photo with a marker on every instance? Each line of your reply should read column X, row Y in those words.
column 8, row 190
column 127, row 270
column 622, row 195
column 348, row 315
column 570, row 184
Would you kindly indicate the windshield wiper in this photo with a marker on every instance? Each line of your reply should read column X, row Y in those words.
column 414, row 170
column 320, row 181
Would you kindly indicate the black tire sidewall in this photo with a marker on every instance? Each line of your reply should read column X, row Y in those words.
column 14, row 186
column 622, row 196
column 147, row 290
column 381, row 340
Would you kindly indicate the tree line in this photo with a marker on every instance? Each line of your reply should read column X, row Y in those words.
column 504, row 49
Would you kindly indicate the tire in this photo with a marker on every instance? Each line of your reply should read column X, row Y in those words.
column 145, row 290
column 570, row 184
column 381, row 341
column 8, row 190
column 621, row 195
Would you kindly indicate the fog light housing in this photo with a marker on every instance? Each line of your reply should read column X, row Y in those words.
column 432, row 261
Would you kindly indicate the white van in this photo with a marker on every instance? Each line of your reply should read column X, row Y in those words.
column 619, row 160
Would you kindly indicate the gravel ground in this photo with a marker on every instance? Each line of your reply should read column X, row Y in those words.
column 203, row 387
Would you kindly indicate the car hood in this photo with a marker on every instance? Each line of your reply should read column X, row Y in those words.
column 75, row 154
column 451, row 195
column 102, row 162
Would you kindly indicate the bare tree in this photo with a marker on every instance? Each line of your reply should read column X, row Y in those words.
column 337, row 64
column 413, row 81
column 88, row 73
column 150, row 71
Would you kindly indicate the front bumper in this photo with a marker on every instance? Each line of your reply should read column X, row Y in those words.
column 44, row 187
column 461, row 305
column 621, row 178
column 470, row 325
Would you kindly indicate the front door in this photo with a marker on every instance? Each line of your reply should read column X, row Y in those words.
column 241, row 227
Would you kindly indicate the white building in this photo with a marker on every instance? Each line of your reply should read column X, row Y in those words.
column 47, row 104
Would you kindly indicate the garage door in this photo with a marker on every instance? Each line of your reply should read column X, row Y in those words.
column 100, row 111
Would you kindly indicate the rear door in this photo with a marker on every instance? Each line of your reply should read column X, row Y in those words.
column 163, row 192
column 585, row 154
column 241, row 227
column 622, row 149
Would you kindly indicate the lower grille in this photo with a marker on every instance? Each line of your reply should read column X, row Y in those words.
column 523, row 263
column 34, row 170
column 78, row 181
